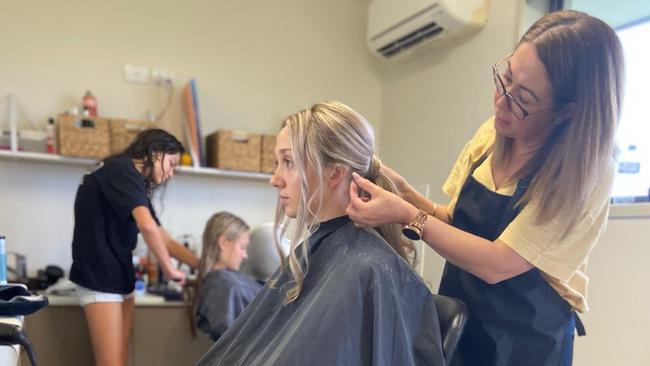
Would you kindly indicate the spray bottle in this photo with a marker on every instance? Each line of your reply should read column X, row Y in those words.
column 3, row 261
column 49, row 137
column 90, row 104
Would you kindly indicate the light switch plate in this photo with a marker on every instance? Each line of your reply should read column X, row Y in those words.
column 136, row 74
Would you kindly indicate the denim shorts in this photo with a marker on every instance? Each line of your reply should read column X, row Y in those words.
column 87, row 296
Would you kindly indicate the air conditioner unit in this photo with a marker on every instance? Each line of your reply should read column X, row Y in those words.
column 397, row 28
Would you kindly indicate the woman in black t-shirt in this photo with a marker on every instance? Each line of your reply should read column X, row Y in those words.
column 112, row 205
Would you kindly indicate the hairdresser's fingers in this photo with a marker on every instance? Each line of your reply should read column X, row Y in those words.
column 353, row 192
column 356, row 205
column 355, row 200
column 358, row 217
column 354, row 214
column 365, row 184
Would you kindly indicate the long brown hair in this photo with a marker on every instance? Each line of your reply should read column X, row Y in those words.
column 584, row 60
column 330, row 133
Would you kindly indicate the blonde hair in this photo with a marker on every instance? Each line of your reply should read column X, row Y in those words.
column 330, row 133
column 583, row 58
column 222, row 224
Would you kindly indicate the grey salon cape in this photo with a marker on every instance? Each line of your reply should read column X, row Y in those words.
column 361, row 304
column 224, row 296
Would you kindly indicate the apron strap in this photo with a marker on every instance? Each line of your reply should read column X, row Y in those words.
column 514, row 207
column 522, row 186
column 478, row 162
column 580, row 327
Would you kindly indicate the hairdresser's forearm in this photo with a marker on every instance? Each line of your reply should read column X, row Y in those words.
column 178, row 251
column 152, row 235
column 491, row 261
column 421, row 202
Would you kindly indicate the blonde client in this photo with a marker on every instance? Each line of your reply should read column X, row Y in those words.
column 345, row 295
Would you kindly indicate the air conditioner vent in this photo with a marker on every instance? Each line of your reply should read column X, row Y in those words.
column 401, row 29
column 430, row 30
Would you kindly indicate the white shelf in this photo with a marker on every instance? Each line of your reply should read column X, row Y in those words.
column 180, row 170
column 44, row 158
column 189, row 170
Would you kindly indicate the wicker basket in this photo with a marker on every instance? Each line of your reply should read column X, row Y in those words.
column 268, row 156
column 123, row 132
column 84, row 137
column 234, row 150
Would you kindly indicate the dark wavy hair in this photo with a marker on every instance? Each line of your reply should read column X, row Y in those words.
column 146, row 145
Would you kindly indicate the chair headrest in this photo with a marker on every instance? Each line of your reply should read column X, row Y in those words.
column 263, row 258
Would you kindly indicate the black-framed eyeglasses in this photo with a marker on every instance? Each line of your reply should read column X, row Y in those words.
column 500, row 70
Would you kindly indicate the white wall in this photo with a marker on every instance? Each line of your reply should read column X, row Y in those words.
column 618, row 324
column 255, row 62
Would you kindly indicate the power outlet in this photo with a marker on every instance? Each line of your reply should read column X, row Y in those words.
column 136, row 74
column 162, row 77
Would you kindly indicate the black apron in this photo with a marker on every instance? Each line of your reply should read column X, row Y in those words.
column 518, row 321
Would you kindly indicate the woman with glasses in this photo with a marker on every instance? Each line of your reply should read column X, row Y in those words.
column 529, row 195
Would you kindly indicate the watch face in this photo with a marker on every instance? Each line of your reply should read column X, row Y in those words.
column 411, row 233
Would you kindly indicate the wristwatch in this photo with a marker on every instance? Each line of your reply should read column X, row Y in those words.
column 413, row 230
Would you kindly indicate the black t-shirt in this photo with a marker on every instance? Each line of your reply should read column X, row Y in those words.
column 105, row 232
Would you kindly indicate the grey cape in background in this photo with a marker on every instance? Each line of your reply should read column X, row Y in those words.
column 361, row 304
column 224, row 296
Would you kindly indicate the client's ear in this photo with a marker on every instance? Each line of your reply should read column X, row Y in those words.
column 336, row 175
column 221, row 242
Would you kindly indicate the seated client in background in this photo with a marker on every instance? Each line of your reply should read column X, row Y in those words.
column 223, row 291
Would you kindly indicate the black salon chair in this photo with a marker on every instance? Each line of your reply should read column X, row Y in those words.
column 452, row 315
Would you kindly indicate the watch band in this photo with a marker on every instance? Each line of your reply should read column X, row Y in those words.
column 413, row 230
column 419, row 221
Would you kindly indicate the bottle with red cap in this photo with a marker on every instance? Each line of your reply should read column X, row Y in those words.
column 50, row 136
column 90, row 104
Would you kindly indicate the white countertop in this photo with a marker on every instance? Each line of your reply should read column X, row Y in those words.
column 140, row 300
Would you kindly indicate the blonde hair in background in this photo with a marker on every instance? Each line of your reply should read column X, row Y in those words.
column 330, row 133
column 584, row 60
column 222, row 224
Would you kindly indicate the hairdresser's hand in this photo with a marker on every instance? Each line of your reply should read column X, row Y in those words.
column 402, row 186
column 176, row 275
column 381, row 207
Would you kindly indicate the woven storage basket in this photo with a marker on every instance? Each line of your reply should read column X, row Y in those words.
column 268, row 157
column 84, row 137
column 123, row 132
column 234, row 150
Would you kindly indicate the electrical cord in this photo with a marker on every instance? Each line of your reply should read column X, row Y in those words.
column 170, row 93
column 12, row 334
